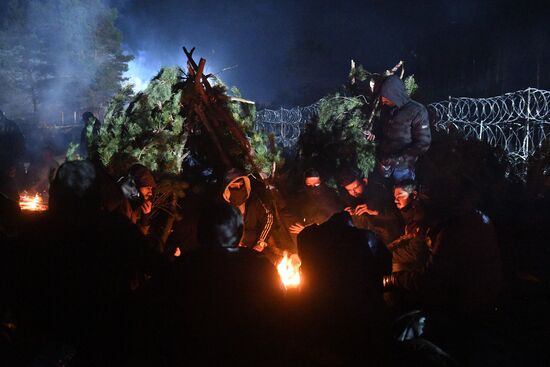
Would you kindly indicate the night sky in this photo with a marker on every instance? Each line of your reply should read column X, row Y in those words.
column 293, row 52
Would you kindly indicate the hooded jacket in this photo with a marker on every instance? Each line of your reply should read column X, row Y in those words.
column 405, row 129
column 258, row 219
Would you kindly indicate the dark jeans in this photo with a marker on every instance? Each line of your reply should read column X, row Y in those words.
column 395, row 174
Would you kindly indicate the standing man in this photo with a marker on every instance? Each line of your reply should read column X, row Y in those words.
column 405, row 130
column 89, row 148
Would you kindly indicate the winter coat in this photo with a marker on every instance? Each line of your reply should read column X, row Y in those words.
column 342, row 284
column 464, row 268
column 315, row 205
column 405, row 128
column 388, row 224
column 258, row 218
column 410, row 252
column 223, row 305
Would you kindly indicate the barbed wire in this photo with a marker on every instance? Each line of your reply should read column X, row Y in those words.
column 517, row 122
column 285, row 124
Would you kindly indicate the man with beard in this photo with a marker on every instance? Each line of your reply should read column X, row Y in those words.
column 258, row 218
column 141, row 204
column 316, row 202
column 371, row 206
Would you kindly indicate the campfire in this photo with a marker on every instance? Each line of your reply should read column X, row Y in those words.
column 34, row 203
column 289, row 270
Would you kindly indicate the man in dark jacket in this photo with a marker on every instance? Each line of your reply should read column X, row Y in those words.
column 225, row 297
column 89, row 148
column 370, row 206
column 315, row 203
column 463, row 269
column 76, row 269
column 342, row 308
column 258, row 218
column 409, row 252
column 405, row 130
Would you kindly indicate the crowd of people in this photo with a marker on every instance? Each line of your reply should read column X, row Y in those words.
column 87, row 284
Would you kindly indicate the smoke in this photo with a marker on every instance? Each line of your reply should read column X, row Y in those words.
column 66, row 51
column 141, row 70
column 148, row 61
column 70, row 34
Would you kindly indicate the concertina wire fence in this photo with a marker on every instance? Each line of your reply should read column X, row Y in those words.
column 517, row 122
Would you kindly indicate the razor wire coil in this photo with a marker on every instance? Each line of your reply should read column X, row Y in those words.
column 517, row 122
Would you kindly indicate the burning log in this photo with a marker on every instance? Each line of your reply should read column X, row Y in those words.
column 289, row 270
column 34, row 203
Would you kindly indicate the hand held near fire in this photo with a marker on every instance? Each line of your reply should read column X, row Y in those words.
column 296, row 228
column 361, row 209
column 260, row 246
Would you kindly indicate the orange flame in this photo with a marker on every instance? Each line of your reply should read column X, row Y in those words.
column 289, row 270
column 32, row 203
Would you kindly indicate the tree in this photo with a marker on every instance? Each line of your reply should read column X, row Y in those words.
column 59, row 55
column 170, row 120
column 337, row 138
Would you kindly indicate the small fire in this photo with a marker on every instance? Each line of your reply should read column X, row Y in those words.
column 32, row 203
column 289, row 270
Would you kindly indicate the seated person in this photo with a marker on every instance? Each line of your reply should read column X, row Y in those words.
column 371, row 206
column 138, row 188
column 316, row 202
column 226, row 296
column 258, row 217
column 342, row 296
column 409, row 252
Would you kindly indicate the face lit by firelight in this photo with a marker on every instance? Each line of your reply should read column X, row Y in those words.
column 402, row 197
column 386, row 102
column 146, row 192
column 312, row 181
column 355, row 188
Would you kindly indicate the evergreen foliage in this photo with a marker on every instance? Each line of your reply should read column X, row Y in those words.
column 410, row 85
column 146, row 128
column 72, row 152
column 263, row 146
column 337, row 138
column 159, row 128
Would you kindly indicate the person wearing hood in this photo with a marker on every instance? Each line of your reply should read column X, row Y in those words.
column 88, row 148
column 138, row 189
column 258, row 218
column 405, row 131
column 316, row 202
